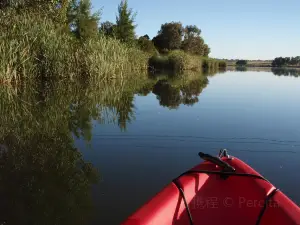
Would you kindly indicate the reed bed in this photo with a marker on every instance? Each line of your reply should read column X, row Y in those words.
column 32, row 46
column 178, row 61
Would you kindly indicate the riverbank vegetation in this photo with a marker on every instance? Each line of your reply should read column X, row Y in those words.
column 286, row 62
column 43, row 40
column 182, row 48
column 64, row 39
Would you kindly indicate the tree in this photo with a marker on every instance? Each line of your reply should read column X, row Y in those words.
column 192, row 42
column 169, row 37
column 281, row 62
column 125, row 28
column 146, row 36
column 108, row 28
column 241, row 63
column 206, row 50
column 146, row 45
column 192, row 31
column 72, row 12
column 85, row 23
column 193, row 45
column 287, row 61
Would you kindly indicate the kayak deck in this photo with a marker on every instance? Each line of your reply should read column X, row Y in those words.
column 206, row 196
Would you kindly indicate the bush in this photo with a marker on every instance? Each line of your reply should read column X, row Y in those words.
column 241, row 63
column 175, row 61
column 222, row 64
column 180, row 61
column 146, row 45
column 158, row 63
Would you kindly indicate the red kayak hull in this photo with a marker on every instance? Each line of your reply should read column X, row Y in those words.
column 214, row 200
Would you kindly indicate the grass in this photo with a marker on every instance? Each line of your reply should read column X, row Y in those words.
column 180, row 61
column 32, row 46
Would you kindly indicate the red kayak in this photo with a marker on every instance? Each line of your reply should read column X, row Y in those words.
column 220, row 191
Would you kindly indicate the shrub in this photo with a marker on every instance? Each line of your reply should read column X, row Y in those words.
column 241, row 63
column 179, row 61
column 222, row 64
column 158, row 63
column 146, row 45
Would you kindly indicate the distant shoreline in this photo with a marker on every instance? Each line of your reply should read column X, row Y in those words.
column 260, row 63
column 266, row 66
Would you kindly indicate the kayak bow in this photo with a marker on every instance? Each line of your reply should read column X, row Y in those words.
column 221, row 190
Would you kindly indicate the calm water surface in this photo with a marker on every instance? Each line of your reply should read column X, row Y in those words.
column 139, row 135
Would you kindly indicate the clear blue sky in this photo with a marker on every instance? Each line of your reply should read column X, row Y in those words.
column 250, row 29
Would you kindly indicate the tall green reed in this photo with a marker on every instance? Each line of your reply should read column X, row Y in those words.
column 32, row 46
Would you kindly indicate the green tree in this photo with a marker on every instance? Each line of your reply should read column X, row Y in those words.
column 192, row 42
column 295, row 60
column 108, row 28
column 193, row 45
column 85, row 23
column 125, row 28
column 192, row 31
column 71, row 13
column 287, row 61
column 206, row 50
column 146, row 36
column 241, row 63
column 146, row 45
column 169, row 37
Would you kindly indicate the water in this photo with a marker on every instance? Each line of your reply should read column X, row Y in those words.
column 136, row 136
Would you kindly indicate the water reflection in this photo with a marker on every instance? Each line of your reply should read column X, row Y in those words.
column 294, row 72
column 241, row 69
column 286, row 72
column 172, row 92
column 44, row 178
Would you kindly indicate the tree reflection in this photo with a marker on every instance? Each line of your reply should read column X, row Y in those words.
column 241, row 69
column 166, row 94
column 179, row 90
column 44, row 180
column 192, row 90
column 286, row 72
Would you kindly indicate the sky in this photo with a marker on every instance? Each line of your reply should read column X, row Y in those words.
column 234, row 29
